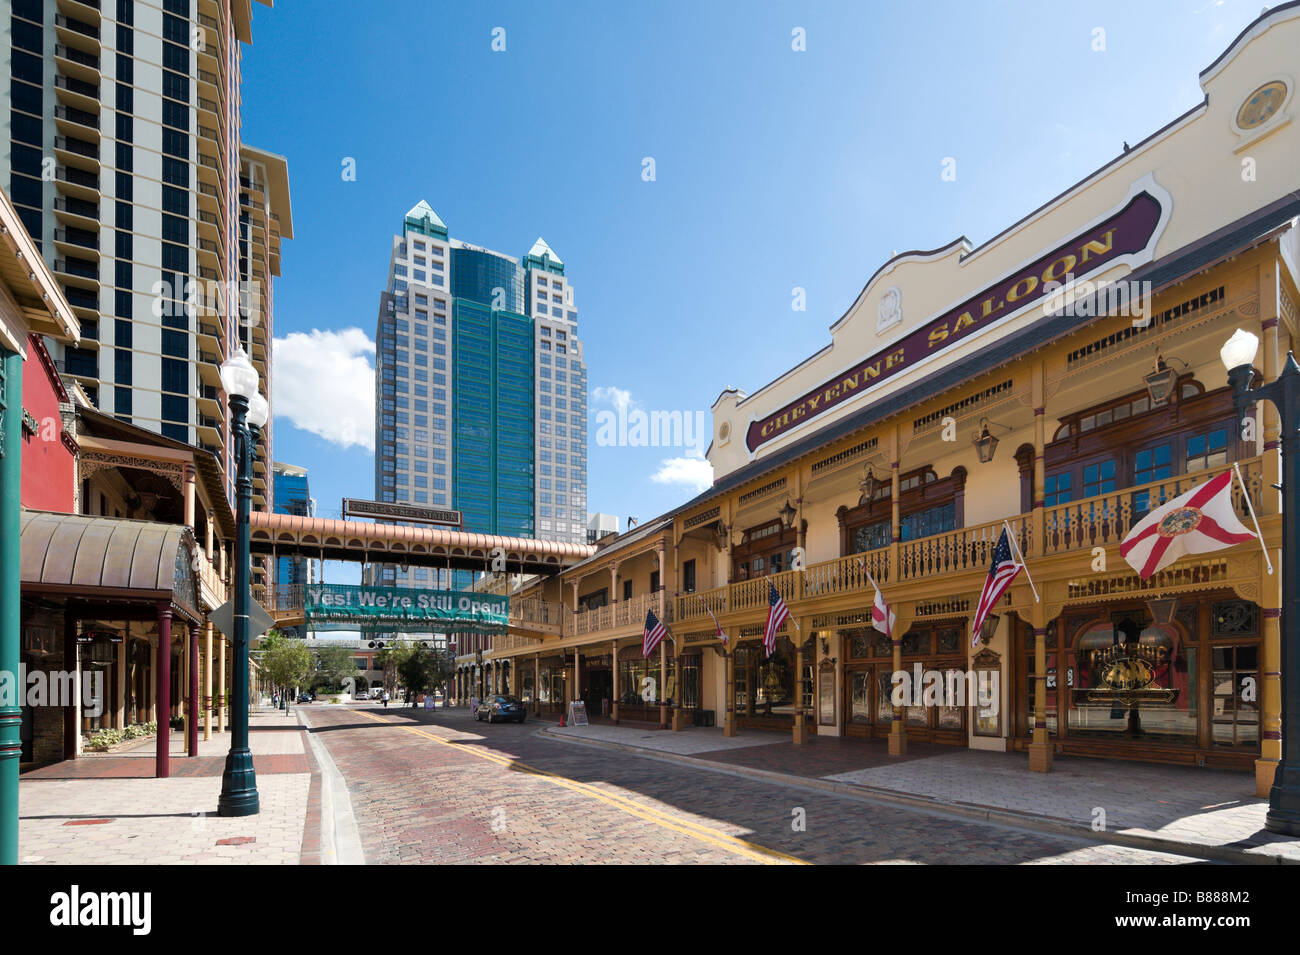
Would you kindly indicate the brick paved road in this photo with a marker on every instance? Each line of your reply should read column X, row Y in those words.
column 436, row 787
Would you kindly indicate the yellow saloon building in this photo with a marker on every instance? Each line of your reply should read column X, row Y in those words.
column 1060, row 380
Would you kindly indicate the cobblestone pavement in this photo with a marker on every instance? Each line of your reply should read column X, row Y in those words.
column 1203, row 807
column 435, row 787
column 110, row 810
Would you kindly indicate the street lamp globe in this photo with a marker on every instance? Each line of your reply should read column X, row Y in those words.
column 258, row 410
column 1239, row 350
column 238, row 376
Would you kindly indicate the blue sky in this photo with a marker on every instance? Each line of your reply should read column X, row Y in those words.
column 774, row 169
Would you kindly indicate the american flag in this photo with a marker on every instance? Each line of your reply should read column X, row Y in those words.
column 1001, row 574
column 777, row 614
column 654, row 633
column 721, row 636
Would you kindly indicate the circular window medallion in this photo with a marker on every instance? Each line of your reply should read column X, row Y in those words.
column 1261, row 105
column 723, row 431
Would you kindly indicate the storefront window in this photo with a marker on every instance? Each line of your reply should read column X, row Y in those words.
column 860, row 697
column 690, row 688
column 1235, row 683
column 1132, row 684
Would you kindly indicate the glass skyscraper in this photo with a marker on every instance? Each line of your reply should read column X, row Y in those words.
column 480, row 385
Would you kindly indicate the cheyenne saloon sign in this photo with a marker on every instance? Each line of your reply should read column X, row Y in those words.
column 1129, row 234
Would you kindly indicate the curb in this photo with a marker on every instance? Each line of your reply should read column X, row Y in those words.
column 891, row 797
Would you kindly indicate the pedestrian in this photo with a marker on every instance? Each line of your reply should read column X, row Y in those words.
column 473, row 705
column 385, row 699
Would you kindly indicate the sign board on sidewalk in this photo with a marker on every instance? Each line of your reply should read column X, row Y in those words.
column 578, row 713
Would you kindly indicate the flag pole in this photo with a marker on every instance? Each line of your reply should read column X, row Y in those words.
column 1011, row 536
column 1251, row 507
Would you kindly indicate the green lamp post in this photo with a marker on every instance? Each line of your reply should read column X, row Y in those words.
column 248, row 410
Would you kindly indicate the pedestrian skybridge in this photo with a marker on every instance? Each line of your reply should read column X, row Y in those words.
column 290, row 535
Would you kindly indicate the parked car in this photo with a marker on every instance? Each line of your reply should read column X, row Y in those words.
column 502, row 708
column 306, row 697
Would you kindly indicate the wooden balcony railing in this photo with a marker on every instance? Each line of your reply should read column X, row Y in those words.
column 1104, row 520
column 620, row 614
column 534, row 611
column 954, row 552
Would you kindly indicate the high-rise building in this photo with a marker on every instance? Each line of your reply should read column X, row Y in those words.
column 480, row 387
column 601, row 525
column 125, row 161
column 292, row 495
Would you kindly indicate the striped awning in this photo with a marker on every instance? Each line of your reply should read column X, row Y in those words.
column 107, row 558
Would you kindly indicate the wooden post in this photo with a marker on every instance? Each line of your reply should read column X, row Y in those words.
column 192, row 708
column 221, row 684
column 71, row 708
column 729, row 709
column 119, row 711
column 162, row 752
column 1040, row 749
column 207, row 679
column 898, row 727
column 800, row 717
column 613, row 706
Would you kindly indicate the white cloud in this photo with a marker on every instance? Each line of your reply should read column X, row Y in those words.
column 617, row 397
column 324, row 383
column 691, row 472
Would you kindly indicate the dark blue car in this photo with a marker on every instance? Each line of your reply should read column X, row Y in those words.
column 501, row 708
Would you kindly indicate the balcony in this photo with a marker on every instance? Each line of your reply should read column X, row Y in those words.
column 622, row 615
column 77, row 212
column 76, row 63
column 78, row 183
column 77, row 34
column 74, row 117
column 77, row 93
column 72, row 149
column 1069, row 531
column 82, row 272
column 79, row 240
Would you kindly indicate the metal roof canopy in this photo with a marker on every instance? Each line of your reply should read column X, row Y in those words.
column 108, row 559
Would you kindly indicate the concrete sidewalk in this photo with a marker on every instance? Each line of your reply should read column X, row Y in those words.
column 1212, row 813
column 108, row 809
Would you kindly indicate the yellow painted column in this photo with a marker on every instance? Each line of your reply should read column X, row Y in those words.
column 207, row 680
column 221, row 684
column 800, row 718
column 613, row 706
column 729, row 704
column 663, row 683
column 898, row 727
column 1040, row 748
column 1271, row 673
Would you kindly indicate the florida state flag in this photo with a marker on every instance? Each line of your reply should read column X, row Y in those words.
column 1198, row 522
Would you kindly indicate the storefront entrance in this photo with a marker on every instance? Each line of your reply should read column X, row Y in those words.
column 869, row 682
column 1169, row 680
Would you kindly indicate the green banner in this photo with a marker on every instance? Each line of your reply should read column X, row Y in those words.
column 405, row 609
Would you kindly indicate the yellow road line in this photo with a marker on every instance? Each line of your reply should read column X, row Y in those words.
column 722, row 840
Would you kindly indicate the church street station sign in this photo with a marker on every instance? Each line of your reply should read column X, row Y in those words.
column 386, row 609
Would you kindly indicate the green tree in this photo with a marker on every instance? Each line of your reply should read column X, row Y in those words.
column 286, row 662
column 333, row 666
column 422, row 670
